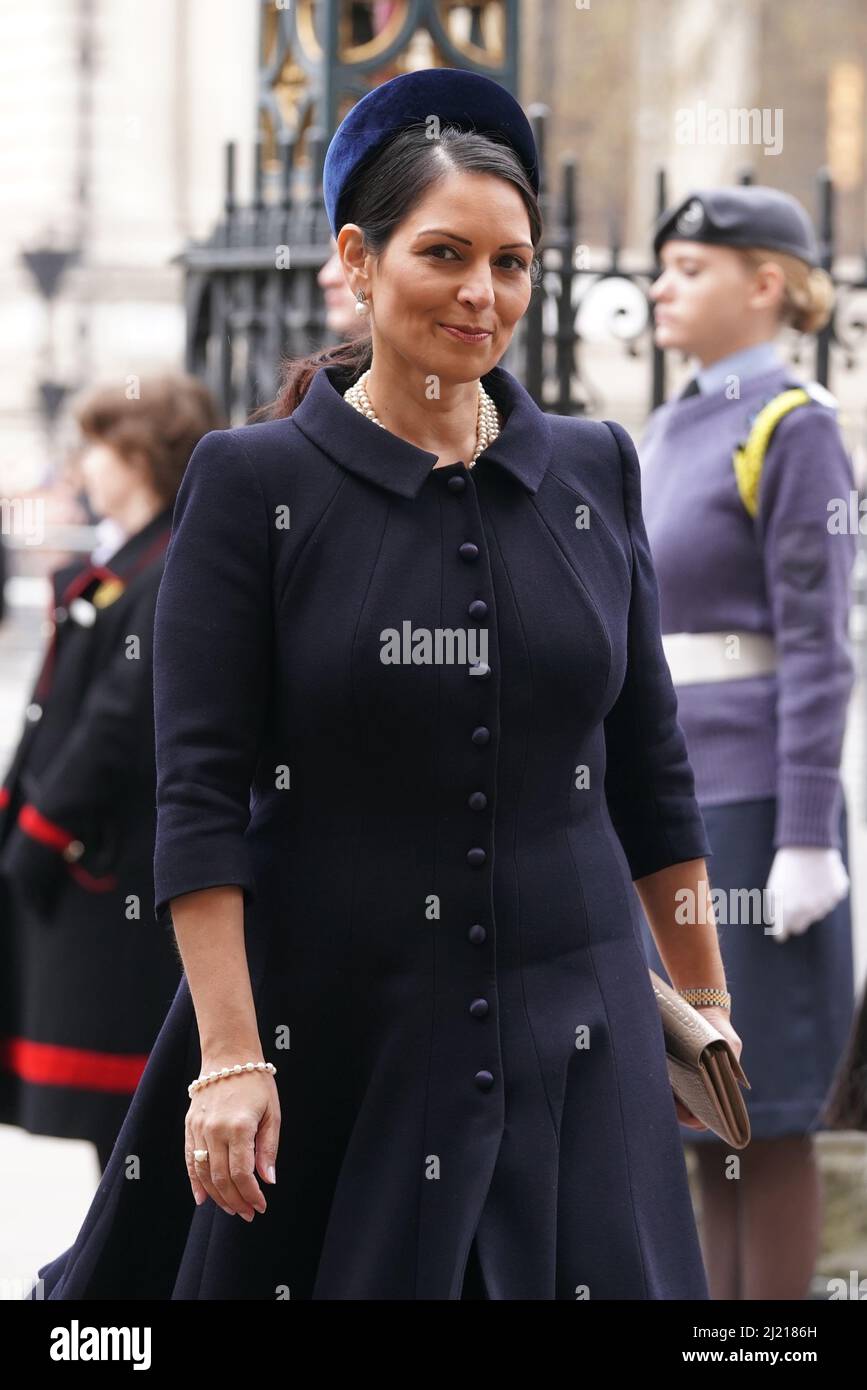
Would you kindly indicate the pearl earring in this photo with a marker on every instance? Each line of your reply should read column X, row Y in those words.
column 361, row 307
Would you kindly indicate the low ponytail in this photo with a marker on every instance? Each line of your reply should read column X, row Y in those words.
column 296, row 374
column 808, row 300
column 813, row 302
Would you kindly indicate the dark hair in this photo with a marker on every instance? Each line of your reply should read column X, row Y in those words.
column 380, row 194
column 163, row 422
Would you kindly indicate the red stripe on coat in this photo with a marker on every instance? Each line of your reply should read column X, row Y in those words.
column 38, row 827
column 48, row 1064
column 92, row 883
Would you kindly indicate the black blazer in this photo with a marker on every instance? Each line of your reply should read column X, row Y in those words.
column 88, row 979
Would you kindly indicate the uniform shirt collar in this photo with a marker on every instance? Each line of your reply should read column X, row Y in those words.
column 751, row 361
column 149, row 538
column 146, row 544
column 522, row 448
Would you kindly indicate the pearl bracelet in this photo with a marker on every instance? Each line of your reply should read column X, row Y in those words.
column 230, row 1071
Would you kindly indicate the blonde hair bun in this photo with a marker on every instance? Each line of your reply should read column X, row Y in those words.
column 808, row 301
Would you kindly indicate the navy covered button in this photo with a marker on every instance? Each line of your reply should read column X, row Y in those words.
column 456, row 483
column 477, row 934
column 476, row 857
column 469, row 550
column 484, row 1080
column 477, row 801
column 479, row 1008
column 481, row 734
column 478, row 608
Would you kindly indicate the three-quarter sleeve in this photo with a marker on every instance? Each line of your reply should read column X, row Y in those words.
column 212, row 662
column 649, row 782
column 807, row 566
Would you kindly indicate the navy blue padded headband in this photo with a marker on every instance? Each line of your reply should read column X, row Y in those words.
column 463, row 99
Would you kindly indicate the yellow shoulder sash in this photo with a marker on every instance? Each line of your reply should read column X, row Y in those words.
column 749, row 457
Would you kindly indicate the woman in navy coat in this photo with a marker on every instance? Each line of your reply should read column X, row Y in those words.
column 446, row 687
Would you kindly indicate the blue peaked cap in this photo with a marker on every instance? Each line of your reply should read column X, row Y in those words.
column 463, row 99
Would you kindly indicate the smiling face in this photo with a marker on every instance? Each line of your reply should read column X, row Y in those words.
column 461, row 259
column 708, row 301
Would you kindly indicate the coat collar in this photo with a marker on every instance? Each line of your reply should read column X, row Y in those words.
column 522, row 448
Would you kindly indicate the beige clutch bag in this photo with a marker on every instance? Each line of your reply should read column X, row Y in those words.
column 705, row 1074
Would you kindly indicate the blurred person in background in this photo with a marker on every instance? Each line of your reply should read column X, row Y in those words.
column 738, row 476
column 847, row 1103
column 340, row 316
column 88, row 977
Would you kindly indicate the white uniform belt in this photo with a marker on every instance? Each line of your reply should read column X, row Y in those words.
column 694, row 657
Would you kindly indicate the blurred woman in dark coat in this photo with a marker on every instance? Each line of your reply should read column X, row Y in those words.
column 88, row 977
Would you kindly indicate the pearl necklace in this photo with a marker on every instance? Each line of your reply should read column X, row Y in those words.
column 487, row 426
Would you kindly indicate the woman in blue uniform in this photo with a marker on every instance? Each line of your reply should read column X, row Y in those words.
column 417, row 614
column 742, row 476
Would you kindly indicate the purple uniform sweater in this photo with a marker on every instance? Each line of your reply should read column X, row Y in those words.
column 784, row 573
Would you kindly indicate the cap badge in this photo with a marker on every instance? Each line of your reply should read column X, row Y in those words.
column 691, row 218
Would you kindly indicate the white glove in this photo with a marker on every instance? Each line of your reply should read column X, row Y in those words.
column 805, row 883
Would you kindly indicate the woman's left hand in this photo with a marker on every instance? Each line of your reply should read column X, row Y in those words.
column 721, row 1020
column 806, row 882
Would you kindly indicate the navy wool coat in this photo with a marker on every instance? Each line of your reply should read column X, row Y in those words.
column 437, row 861
column 87, row 980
